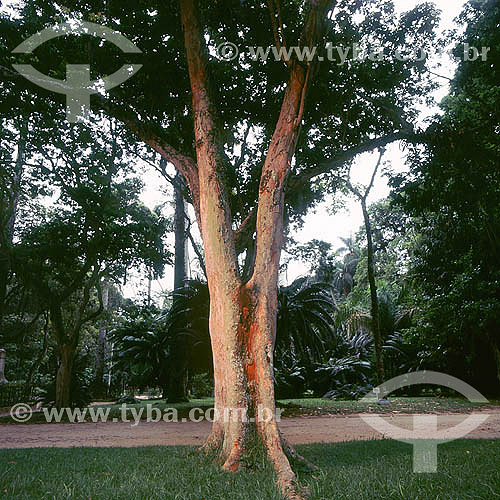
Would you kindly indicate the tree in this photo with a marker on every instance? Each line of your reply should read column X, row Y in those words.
column 304, row 332
column 97, row 229
column 453, row 189
column 147, row 339
column 142, row 343
column 99, row 387
column 178, row 371
column 346, row 269
column 243, row 315
column 362, row 197
column 337, row 125
column 10, row 191
column 111, row 300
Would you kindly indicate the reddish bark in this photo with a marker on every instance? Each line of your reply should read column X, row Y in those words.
column 243, row 315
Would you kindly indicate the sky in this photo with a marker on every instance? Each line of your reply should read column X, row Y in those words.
column 318, row 224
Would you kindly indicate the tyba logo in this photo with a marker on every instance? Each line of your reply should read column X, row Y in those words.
column 425, row 435
column 77, row 86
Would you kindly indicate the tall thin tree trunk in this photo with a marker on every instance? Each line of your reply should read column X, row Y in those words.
column 150, row 281
column 377, row 334
column 2, row 366
column 99, row 384
column 175, row 389
column 110, row 372
column 8, row 219
column 181, row 241
column 496, row 354
column 16, row 181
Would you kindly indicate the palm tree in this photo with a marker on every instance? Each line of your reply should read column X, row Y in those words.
column 188, row 320
column 345, row 270
column 142, row 346
column 304, row 333
column 400, row 352
column 148, row 340
column 305, row 316
column 347, row 373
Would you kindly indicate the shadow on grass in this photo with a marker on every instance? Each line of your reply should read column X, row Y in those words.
column 467, row 469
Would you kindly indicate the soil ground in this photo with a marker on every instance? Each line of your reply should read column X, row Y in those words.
column 299, row 430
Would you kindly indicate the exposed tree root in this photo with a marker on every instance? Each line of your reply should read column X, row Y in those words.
column 292, row 453
column 286, row 479
column 255, row 445
column 288, row 486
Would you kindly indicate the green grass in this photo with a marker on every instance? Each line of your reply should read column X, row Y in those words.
column 468, row 469
column 317, row 406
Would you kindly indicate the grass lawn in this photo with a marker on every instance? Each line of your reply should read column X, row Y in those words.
column 317, row 406
column 468, row 469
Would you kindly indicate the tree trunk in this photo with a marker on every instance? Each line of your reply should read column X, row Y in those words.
column 99, row 384
column 181, row 241
column 66, row 342
column 8, row 218
column 64, row 374
column 243, row 316
column 175, row 389
column 243, row 334
column 496, row 354
column 2, row 366
column 38, row 361
column 377, row 335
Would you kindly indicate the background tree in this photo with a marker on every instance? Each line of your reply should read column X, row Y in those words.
column 97, row 228
column 111, row 300
column 177, row 378
column 454, row 189
column 362, row 195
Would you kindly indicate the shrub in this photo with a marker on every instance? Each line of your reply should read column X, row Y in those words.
column 201, row 385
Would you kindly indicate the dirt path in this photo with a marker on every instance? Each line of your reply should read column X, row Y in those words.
column 299, row 430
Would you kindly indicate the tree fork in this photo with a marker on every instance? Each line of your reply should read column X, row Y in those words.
column 242, row 318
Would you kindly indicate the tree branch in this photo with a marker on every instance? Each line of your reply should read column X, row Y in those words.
column 196, row 248
column 215, row 219
column 146, row 132
column 81, row 319
column 246, row 231
column 279, row 39
column 375, row 170
column 270, row 211
column 344, row 156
